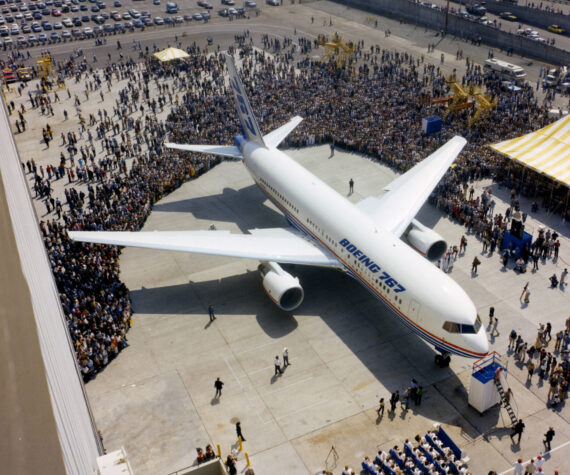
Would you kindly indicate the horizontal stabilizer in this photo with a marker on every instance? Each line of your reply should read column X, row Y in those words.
column 223, row 150
column 281, row 245
column 275, row 137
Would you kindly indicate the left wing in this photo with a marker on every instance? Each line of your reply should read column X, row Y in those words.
column 278, row 244
column 395, row 210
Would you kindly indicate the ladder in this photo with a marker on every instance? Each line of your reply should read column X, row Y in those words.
column 507, row 406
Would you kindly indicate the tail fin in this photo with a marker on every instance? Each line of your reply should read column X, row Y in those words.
column 248, row 123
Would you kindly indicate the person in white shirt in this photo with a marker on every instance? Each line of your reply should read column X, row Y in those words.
column 518, row 465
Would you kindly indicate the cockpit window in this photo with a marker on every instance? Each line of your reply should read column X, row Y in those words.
column 453, row 327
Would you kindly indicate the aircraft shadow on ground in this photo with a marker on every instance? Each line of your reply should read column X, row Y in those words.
column 327, row 292
column 229, row 206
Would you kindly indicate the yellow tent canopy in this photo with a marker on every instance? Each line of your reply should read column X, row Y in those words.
column 170, row 54
column 546, row 151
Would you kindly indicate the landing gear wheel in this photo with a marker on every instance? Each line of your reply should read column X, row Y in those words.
column 443, row 360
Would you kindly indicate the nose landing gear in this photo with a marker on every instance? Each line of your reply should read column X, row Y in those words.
column 443, row 359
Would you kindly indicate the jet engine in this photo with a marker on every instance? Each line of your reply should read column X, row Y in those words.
column 282, row 287
column 426, row 241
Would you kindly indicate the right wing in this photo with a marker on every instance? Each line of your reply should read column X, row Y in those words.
column 223, row 150
column 395, row 210
column 277, row 244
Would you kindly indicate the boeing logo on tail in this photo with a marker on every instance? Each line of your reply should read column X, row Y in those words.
column 248, row 123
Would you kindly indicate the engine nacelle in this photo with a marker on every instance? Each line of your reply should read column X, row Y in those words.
column 426, row 241
column 282, row 287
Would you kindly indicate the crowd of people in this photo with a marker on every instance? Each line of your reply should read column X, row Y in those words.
column 116, row 166
column 552, row 365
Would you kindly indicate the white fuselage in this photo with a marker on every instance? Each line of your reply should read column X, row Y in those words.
column 422, row 296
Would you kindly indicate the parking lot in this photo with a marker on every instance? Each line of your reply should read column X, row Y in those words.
column 53, row 21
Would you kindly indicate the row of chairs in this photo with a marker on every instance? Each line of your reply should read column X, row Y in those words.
column 380, row 467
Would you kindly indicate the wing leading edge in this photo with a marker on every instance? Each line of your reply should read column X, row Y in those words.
column 395, row 210
column 278, row 244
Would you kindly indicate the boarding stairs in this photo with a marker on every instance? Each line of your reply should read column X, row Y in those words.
column 508, row 407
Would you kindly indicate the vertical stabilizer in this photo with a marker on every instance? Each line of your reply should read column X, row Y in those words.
column 248, row 123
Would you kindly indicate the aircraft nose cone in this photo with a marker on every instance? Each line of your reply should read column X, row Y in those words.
column 481, row 344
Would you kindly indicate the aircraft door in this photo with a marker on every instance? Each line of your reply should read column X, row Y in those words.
column 415, row 311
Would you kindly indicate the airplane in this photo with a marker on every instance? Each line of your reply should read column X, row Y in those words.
column 377, row 241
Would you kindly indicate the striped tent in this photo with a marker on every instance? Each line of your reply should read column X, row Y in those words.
column 546, row 151
column 170, row 54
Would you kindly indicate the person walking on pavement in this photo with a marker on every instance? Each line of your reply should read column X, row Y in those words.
column 518, row 466
column 494, row 328
column 474, row 265
column 394, row 400
column 350, row 186
column 530, row 468
column 218, row 385
column 238, row 431
column 211, row 312
column 548, row 438
column 278, row 369
column 380, row 410
column 286, row 357
column 518, row 429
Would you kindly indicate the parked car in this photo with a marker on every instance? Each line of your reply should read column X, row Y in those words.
column 250, row 4
column 197, row 16
column 54, row 36
column 556, row 29
column 9, row 75
column 508, row 16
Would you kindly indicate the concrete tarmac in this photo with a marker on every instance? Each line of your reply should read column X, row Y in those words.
column 346, row 351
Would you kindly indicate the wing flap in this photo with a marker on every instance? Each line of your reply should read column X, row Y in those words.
column 279, row 245
column 406, row 194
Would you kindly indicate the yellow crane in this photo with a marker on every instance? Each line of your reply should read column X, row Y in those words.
column 336, row 47
column 45, row 73
column 470, row 96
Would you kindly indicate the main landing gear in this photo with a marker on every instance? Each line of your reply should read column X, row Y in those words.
column 443, row 359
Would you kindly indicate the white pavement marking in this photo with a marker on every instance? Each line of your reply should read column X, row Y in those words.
column 542, row 455
column 289, row 386
column 251, row 403
column 301, row 410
